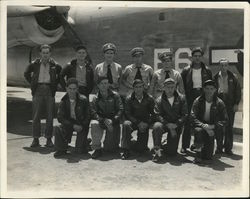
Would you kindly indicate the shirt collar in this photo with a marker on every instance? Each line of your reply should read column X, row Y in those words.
column 142, row 66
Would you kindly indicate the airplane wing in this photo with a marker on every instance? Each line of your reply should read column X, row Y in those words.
column 35, row 25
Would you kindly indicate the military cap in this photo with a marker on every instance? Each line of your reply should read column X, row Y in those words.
column 101, row 78
column 165, row 55
column 43, row 46
column 137, row 81
column 136, row 51
column 209, row 83
column 169, row 81
column 197, row 49
column 80, row 47
column 108, row 46
column 72, row 80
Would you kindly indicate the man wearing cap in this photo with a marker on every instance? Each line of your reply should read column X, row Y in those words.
column 139, row 110
column 43, row 76
column 229, row 91
column 171, row 112
column 209, row 118
column 109, row 68
column 159, row 76
column 106, row 110
column 74, row 115
column 81, row 69
column 137, row 70
column 193, row 77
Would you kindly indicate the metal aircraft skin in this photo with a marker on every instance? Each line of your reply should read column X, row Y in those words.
column 150, row 28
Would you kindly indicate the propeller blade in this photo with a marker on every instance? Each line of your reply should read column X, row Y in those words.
column 70, row 33
column 19, row 11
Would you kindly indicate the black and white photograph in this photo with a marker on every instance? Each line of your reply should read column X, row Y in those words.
column 124, row 99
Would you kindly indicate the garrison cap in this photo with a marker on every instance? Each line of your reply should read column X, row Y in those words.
column 169, row 81
column 197, row 49
column 136, row 51
column 45, row 46
column 223, row 60
column 101, row 78
column 137, row 81
column 108, row 46
column 165, row 55
column 209, row 83
column 80, row 47
column 72, row 80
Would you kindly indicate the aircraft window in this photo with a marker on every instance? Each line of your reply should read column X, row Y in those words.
column 162, row 16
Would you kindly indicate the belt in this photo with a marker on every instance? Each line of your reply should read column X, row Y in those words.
column 47, row 84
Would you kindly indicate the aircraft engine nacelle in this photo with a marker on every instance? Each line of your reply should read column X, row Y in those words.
column 44, row 27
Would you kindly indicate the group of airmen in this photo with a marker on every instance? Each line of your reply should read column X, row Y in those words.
column 190, row 102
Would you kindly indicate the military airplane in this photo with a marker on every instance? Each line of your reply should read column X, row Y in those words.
column 156, row 29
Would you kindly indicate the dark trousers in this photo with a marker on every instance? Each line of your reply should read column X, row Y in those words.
column 204, row 144
column 172, row 142
column 142, row 137
column 63, row 136
column 42, row 101
column 112, row 139
column 186, row 136
column 228, row 136
column 228, row 142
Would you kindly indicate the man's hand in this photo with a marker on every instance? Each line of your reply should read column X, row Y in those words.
column 142, row 126
column 108, row 123
column 77, row 128
column 208, row 126
column 210, row 132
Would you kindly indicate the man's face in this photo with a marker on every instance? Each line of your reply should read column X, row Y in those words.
column 109, row 55
column 137, row 58
column 103, row 85
column 72, row 90
column 45, row 54
column 209, row 91
column 167, row 63
column 197, row 57
column 224, row 66
column 138, row 88
column 169, row 89
column 81, row 55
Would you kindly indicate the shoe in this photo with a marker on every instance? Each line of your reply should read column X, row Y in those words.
column 192, row 148
column 97, row 153
column 229, row 152
column 155, row 158
column 183, row 150
column 49, row 143
column 59, row 153
column 197, row 160
column 218, row 151
column 35, row 143
column 125, row 155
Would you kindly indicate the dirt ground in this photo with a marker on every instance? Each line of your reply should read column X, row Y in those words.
column 35, row 172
